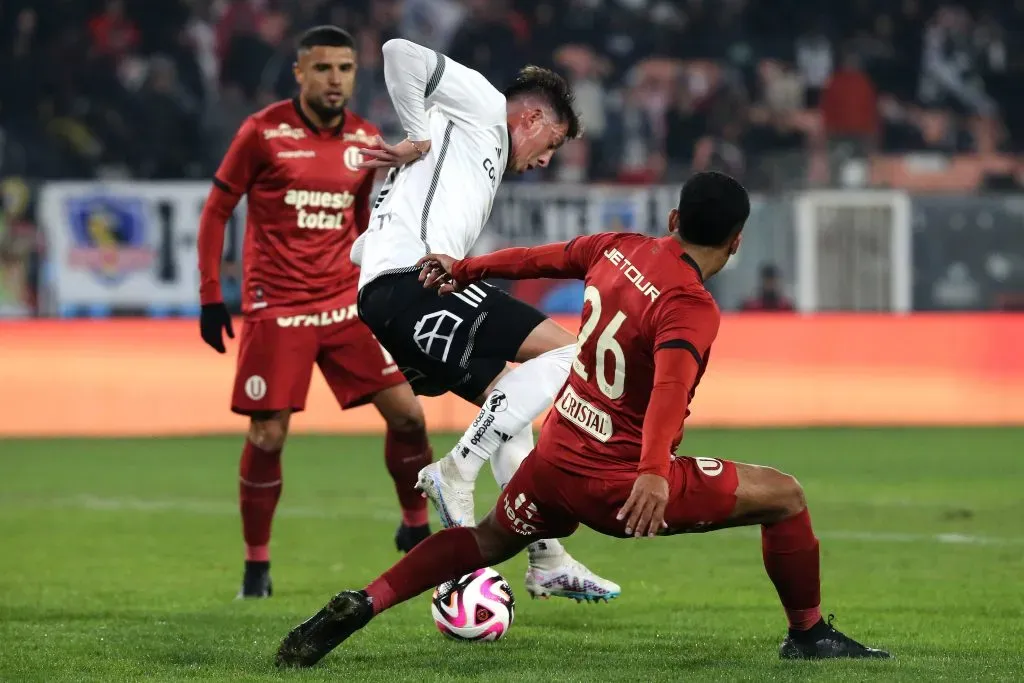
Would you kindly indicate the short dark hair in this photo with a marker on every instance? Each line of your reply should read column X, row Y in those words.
column 536, row 80
column 712, row 209
column 326, row 36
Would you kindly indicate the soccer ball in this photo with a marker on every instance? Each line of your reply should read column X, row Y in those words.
column 478, row 607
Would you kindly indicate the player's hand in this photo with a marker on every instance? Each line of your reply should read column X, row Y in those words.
column 436, row 273
column 390, row 156
column 213, row 320
column 644, row 512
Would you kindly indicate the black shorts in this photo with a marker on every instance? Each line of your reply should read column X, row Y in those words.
column 457, row 343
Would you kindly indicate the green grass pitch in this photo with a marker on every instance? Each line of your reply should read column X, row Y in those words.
column 119, row 560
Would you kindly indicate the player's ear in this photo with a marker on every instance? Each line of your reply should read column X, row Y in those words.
column 673, row 220
column 297, row 71
column 735, row 245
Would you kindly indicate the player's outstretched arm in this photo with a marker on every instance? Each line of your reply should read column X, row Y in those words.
column 561, row 260
column 417, row 77
column 445, row 274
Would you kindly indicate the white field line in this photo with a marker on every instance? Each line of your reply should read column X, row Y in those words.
column 218, row 508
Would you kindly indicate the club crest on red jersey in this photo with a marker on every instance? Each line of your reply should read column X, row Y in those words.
column 353, row 156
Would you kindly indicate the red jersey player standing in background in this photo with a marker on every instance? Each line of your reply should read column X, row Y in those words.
column 308, row 199
column 604, row 456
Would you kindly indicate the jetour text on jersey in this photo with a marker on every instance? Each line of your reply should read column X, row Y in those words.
column 632, row 273
column 324, row 219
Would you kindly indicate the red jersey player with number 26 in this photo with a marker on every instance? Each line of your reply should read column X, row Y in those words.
column 308, row 199
column 604, row 456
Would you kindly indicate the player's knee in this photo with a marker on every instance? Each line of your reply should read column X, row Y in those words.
column 408, row 421
column 790, row 495
column 548, row 337
column 268, row 434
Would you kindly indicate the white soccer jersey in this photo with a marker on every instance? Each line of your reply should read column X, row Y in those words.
column 440, row 202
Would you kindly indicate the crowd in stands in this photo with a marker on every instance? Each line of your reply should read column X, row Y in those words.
column 782, row 93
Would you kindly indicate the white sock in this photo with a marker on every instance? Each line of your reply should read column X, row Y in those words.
column 511, row 455
column 546, row 554
column 517, row 399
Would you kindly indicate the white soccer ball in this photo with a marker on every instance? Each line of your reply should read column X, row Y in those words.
column 477, row 607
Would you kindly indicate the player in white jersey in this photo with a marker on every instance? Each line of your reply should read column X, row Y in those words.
column 462, row 136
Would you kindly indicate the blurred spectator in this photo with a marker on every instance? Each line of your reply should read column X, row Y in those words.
column 849, row 102
column 113, row 35
column 814, row 60
column 488, row 40
column 432, row 23
column 769, row 296
column 950, row 74
column 240, row 17
column 633, row 134
column 781, row 88
column 199, row 39
column 684, row 126
column 849, row 110
column 223, row 119
column 169, row 125
column 585, row 71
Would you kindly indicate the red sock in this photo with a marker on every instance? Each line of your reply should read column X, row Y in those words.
column 446, row 555
column 259, row 488
column 790, row 552
column 406, row 453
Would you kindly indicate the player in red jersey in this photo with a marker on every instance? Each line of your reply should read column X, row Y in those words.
column 298, row 161
column 604, row 457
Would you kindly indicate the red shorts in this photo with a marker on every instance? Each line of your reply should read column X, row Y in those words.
column 276, row 358
column 545, row 501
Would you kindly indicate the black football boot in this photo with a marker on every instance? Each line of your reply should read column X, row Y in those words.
column 313, row 639
column 256, row 581
column 407, row 537
column 823, row 641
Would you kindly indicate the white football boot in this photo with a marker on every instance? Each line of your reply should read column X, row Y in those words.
column 554, row 572
column 449, row 492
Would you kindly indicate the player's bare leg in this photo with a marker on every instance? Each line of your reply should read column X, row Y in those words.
column 406, row 452
column 259, row 489
column 503, row 434
column 776, row 501
column 444, row 556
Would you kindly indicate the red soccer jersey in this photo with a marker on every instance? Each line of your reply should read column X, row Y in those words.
column 307, row 203
column 648, row 325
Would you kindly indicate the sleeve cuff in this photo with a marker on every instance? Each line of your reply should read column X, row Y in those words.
column 660, row 469
column 210, row 294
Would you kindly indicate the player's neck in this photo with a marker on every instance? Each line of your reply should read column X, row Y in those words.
column 315, row 118
column 708, row 259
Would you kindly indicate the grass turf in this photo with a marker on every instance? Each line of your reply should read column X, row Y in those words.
column 119, row 561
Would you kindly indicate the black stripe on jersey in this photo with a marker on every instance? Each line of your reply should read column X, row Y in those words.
column 682, row 344
column 433, row 183
column 435, row 77
column 693, row 264
column 221, row 185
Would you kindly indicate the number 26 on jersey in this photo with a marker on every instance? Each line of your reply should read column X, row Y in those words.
column 606, row 346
